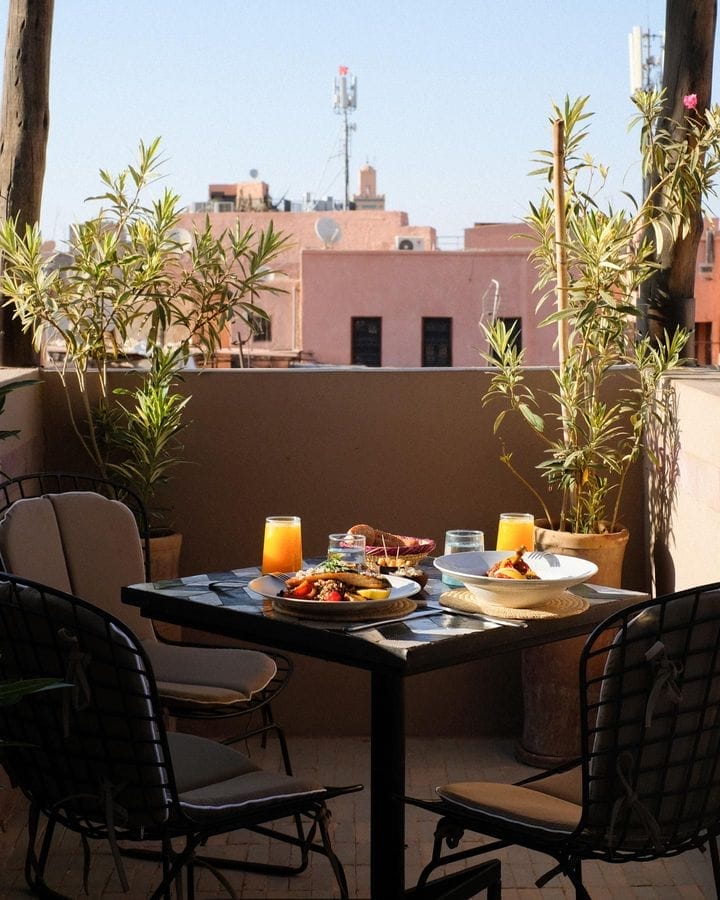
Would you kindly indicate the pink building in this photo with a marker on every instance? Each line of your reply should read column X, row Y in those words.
column 707, row 297
column 419, row 308
column 364, row 287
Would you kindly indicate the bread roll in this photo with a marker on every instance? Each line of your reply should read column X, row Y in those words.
column 374, row 537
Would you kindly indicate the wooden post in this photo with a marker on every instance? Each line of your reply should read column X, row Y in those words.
column 23, row 139
column 560, row 235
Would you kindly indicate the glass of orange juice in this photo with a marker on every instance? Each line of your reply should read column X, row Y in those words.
column 282, row 547
column 516, row 530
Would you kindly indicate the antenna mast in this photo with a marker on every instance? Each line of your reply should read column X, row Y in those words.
column 646, row 59
column 345, row 102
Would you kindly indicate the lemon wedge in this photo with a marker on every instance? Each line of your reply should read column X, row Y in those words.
column 374, row 593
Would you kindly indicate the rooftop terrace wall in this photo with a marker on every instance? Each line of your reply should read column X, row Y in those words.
column 410, row 451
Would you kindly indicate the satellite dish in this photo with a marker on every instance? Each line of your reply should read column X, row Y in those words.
column 328, row 230
column 253, row 173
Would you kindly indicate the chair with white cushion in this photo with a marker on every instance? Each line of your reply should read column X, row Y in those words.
column 648, row 782
column 80, row 535
column 93, row 755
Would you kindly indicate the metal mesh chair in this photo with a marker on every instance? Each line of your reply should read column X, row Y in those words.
column 63, row 536
column 95, row 757
column 648, row 782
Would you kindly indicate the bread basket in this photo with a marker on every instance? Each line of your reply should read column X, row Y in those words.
column 415, row 550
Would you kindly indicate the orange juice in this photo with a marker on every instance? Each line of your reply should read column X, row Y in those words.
column 282, row 547
column 516, row 530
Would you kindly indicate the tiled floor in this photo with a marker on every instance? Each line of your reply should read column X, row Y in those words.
column 344, row 761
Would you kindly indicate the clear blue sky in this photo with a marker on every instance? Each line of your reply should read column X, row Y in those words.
column 453, row 96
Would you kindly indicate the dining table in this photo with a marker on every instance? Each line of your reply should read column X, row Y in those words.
column 433, row 636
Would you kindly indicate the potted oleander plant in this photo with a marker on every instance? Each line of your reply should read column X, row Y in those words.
column 592, row 259
column 133, row 290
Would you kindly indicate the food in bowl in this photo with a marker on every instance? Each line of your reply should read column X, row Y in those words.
column 336, row 583
column 513, row 567
column 556, row 574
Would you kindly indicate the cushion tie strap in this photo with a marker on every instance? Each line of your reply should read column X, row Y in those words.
column 76, row 675
column 630, row 802
column 107, row 795
column 666, row 679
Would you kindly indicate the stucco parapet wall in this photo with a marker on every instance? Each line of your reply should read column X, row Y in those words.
column 23, row 412
column 698, row 413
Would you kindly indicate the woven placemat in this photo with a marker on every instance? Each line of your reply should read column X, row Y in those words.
column 351, row 611
column 564, row 604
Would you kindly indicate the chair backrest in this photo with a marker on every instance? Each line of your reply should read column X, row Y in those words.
column 650, row 683
column 95, row 752
column 79, row 542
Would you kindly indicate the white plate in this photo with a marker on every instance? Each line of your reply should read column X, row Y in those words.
column 267, row 586
column 557, row 574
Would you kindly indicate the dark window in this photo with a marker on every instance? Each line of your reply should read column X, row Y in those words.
column 261, row 327
column 703, row 343
column 514, row 324
column 437, row 341
column 709, row 248
column 366, row 340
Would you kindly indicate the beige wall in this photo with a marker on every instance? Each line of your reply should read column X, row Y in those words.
column 409, row 451
column 693, row 555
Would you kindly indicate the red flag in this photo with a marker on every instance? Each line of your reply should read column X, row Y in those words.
column 343, row 70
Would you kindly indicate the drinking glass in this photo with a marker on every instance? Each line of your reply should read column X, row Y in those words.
column 516, row 530
column 282, row 547
column 458, row 541
column 347, row 548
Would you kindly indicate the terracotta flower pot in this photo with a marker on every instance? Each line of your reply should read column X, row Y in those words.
column 551, row 721
column 606, row 550
column 165, row 556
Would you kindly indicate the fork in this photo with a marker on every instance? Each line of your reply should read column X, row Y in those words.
column 281, row 576
column 551, row 559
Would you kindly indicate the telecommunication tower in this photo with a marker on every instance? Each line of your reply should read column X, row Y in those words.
column 646, row 59
column 345, row 102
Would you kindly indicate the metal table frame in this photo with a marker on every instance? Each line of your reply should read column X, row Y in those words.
column 237, row 614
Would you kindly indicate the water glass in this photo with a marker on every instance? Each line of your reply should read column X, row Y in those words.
column 460, row 540
column 282, row 547
column 516, row 530
column 347, row 548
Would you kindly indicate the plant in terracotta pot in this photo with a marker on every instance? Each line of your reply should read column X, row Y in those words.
column 133, row 290
column 592, row 259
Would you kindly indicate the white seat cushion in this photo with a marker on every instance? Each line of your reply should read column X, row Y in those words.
column 218, row 676
column 213, row 780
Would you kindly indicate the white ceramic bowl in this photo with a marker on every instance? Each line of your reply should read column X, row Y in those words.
column 557, row 574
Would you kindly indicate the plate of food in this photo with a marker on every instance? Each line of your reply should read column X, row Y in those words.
column 334, row 591
column 516, row 580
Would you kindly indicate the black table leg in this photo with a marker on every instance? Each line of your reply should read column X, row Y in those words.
column 387, row 786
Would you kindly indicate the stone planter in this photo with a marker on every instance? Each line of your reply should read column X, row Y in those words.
column 550, row 675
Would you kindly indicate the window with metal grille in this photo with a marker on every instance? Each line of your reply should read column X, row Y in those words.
column 261, row 327
column 436, row 341
column 703, row 343
column 514, row 325
column 366, row 341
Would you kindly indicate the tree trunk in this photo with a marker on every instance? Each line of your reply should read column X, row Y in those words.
column 689, row 38
column 23, row 139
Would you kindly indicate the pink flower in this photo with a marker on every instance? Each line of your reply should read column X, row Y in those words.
column 690, row 101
